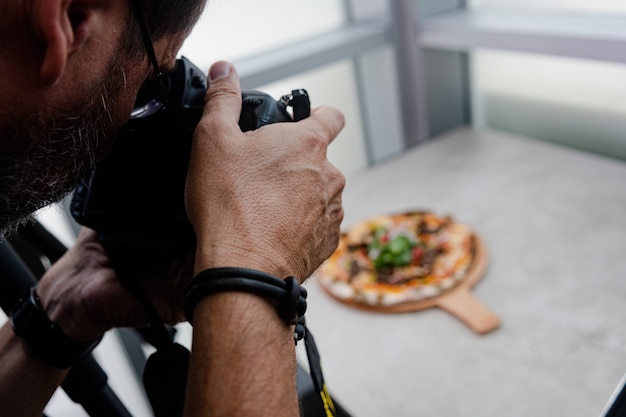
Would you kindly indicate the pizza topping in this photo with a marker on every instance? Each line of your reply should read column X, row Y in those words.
column 430, row 224
column 386, row 252
column 429, row 258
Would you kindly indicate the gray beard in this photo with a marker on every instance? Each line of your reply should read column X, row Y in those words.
column 43, row 158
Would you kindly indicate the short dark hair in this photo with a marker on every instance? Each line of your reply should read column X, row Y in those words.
column 164, row 17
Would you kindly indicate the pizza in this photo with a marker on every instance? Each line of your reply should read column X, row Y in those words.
column 392, row 260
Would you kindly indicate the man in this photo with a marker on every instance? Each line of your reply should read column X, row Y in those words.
column 71, row 70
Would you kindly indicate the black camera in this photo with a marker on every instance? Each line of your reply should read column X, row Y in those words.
column 134, row 198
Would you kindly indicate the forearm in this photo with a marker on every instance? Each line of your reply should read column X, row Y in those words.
column 26, row 382
column 243, row 359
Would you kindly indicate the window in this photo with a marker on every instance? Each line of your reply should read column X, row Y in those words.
column 549, row 69
column 570, row 101
column 231, row 29
column 251, row 33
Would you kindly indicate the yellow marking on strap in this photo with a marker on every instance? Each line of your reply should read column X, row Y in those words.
column 329, row 407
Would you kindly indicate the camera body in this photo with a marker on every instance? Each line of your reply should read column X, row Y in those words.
column 135, row 196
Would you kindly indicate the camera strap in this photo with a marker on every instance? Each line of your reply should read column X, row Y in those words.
column 165, row 371
column 315, row 369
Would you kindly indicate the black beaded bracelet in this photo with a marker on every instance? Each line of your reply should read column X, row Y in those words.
column 289, row 296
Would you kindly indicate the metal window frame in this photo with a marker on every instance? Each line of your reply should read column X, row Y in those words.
column 391, row 87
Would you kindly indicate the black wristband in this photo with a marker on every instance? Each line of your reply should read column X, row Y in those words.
column 45, row 339
column 287, row 294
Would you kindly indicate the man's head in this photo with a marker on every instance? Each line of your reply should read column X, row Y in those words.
column 71, row 72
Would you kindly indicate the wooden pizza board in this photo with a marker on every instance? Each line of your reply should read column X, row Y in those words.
column 458, row 301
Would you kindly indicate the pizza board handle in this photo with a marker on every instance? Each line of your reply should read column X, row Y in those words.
column 463, row 305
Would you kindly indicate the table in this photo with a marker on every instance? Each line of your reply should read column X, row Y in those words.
column 554, row 221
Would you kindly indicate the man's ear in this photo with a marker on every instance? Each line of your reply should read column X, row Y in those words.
column 53, row 26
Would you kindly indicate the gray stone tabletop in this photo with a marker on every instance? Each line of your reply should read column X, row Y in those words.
column 554, row 222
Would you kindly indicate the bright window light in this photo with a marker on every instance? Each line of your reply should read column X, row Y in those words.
column 231, row 29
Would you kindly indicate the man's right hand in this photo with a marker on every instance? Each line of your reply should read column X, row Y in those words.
column 267, row 199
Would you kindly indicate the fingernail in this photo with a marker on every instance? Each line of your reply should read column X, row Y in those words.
column 219, row 70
